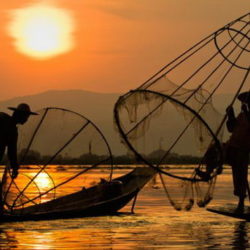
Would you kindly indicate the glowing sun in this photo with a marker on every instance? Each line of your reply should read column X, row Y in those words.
column 42, row 31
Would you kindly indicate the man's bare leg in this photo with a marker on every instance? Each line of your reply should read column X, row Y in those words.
column 240, row 207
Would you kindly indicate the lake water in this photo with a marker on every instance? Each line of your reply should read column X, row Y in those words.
column 155, row 225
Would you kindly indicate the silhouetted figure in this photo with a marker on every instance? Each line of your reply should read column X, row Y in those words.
column 238, row 147
column 9, row 133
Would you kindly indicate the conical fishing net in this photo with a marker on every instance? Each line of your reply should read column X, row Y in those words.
column 178, row 115
column 58, row 149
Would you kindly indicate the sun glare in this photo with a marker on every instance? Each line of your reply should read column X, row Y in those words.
column 42, row 31
column 43, row 182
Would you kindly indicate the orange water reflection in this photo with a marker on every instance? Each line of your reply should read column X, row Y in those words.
column 39, row 186
column 155, row 225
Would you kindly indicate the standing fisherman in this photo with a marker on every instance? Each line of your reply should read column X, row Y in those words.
column 9, row 135
column 239, row 147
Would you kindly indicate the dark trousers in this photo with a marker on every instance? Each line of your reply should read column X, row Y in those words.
column 239, row 160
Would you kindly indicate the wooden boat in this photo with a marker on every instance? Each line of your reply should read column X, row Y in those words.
column 102, row 199
column 231, row 211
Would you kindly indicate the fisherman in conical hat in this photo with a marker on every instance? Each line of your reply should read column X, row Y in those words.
column 238, row 147
column 9, row 133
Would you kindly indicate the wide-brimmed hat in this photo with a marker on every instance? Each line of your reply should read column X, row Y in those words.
column 244, row 97
column 24, row 108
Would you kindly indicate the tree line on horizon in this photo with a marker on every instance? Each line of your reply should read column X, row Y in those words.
column 34, row 157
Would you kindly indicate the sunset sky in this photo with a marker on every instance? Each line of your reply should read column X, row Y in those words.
column 101, row 45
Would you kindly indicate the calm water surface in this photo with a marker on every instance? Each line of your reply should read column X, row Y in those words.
column 155, row 225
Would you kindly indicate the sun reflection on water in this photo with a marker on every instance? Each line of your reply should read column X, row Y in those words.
column 43, row 182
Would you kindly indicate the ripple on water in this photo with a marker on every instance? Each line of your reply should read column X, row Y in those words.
column 155, row 225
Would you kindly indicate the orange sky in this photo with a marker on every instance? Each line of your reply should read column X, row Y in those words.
column 118, row 44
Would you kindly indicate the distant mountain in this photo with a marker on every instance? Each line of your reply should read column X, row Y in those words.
column 92, row 105
column 98, row 107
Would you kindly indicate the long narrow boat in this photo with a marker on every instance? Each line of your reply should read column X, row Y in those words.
column 102, row 199
column 231, row 211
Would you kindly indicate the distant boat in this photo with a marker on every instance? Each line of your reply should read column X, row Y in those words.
column 61, row 168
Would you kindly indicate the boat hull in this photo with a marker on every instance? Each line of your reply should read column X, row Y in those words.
column 103, row 199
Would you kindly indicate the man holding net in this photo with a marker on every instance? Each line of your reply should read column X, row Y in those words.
column 9, row 133
column 238, row 147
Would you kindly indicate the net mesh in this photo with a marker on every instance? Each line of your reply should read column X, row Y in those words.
column 178, row 115
column 58, row 149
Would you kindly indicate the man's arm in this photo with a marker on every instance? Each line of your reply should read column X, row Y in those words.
column 12, row 154
column 246, row 111
column 231, row 120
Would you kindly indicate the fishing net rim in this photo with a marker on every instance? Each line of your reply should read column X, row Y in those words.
column 232, row 38
column 170, row 65
column 110, row 156
column 183, row 57
column 220, row 50
column 158, row 169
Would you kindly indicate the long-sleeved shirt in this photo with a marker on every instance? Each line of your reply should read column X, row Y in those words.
column 8, row 138
column 240, row 129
